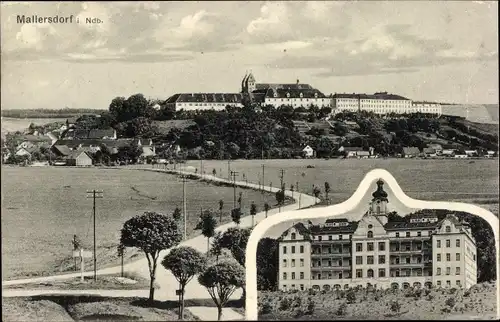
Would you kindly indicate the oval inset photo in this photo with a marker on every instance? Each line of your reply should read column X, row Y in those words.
column 378, row 255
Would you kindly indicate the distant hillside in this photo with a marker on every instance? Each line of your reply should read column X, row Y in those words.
column 44, row 113
column 479, row 113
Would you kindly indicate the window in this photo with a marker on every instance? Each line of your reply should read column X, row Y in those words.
column 448, row 229
column 370, row 273
column 284, row 263
column 407, row 234
column 301, row 287
column 419, row 234
column 457, row 256
column 340, row 237
column 293, row 249
column 438, row 244
column 438, row 283
column 370, row 247
column 381, row 272
column 293, row 275
column 319, row 276
column 330, row 237
column 381, row 246
column 448, row 257
column 284, row 249
column 448, row 283
column 359, row 247
column 301, row 275
column 320, row 238
column 438, row 272
column 397, row 234
column 301, row 262
column 370, row 234
column 458, row 283
column 359, row 260
column 448, row 243
column 370, row 226
column 369, row 260
column 438, row 257
column 457, row 243
column 381, row 259
column 293, row 262
column 457, row 271
column 301, row 249
column 284, row 276
column 448, row 270
column 294, row 236
column 359, row 273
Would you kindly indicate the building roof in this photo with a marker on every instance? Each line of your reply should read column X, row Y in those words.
column 294, row 93
column 94, row 142
column 101, row 133
column 429, row 150
column 75, row 154
column 295, row 86
column 380, row 193
column 34, row 138
column 363, row 153
column 324, row 229
column 352, row 148
column 300, row 227
column 411, row 150
column 205, row 98
column 400, row 225
column 147, row 151
column 376, row 96
column 62, row 149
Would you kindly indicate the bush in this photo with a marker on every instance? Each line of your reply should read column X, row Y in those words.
column 266, row 308
column 297, row 302
column 395, row 306
column 312, row 292
column 310, row 306
column 466, row 293
column 341, row 310
column 451, row 302
column 351, row 297
column 284, row 304
column 430, row 297
column 427, row 291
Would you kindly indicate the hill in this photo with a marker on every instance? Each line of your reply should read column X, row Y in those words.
column 480, row 113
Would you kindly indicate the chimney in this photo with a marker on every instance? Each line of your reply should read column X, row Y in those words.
column 297, row 82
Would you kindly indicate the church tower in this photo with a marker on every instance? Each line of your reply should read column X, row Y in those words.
column 378, row 205
column 251, row 86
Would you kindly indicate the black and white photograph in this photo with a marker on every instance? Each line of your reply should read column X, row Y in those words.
column 157, row 157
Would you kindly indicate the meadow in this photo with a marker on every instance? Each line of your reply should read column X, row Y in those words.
column 42, row 208
column 474, row 181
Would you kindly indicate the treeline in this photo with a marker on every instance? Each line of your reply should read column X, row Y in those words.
column 44, row 113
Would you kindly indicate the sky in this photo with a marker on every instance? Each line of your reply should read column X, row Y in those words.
column 439, row 51
column 355, row 215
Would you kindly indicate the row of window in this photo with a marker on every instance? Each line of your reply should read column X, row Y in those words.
column 448, row 271
column 285, row 263
column 370, row 246
column 448, row 283
column 439, row 283
column 301, row 275
column 448, row 257
column 448, row 243
column 301, row 249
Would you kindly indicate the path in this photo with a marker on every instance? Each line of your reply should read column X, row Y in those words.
column 164, row 278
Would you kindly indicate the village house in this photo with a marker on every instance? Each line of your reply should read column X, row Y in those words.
column 79, row 159
column 363, row 154
column 490, row 154
column 411, row 152
column 448, row 152
column 437, row 147
column 471, row 153
column 350, row 151
column 429, row 152
column 308, row 152
column 28, row 151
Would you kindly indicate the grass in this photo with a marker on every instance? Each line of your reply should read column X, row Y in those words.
column 481, row 302
column 88, row 307
column 42, row 208
column 104, row 282
column 420, row 179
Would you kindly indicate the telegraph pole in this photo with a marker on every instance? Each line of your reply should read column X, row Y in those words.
column 263, row 178
column 184, row 210
column 94, row 194
column 233, row 176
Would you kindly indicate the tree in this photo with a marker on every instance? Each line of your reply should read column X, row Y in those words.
column 253, row 212
column 184, row 263
column 266, row 208
column 217, row 245
column 395, row 306
column 236, row 215
column 221, row 207
column 221, row 280
column 240, row 196
column 267, row 264
column 207, row 225
column 121, row 254
column 177, row 215
column 151, row 232
column 327, row 191
column 316, row 192
column 214, row 172
column 280, row 197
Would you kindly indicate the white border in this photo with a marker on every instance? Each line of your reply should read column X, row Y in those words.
column 251, row 310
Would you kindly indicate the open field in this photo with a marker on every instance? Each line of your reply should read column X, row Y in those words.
column 88, row 308
column 14, row 124
column 42, row 208
column 471, row 181
column 478, row 303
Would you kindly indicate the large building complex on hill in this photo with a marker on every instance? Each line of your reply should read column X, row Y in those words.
column 420, row 251
column 300, row 95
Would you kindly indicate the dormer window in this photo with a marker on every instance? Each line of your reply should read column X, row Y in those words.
column 275, row 94
column 315, row 95
column 301, row 95
column 448, row 229
column 288, row 95
column 294, row 236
